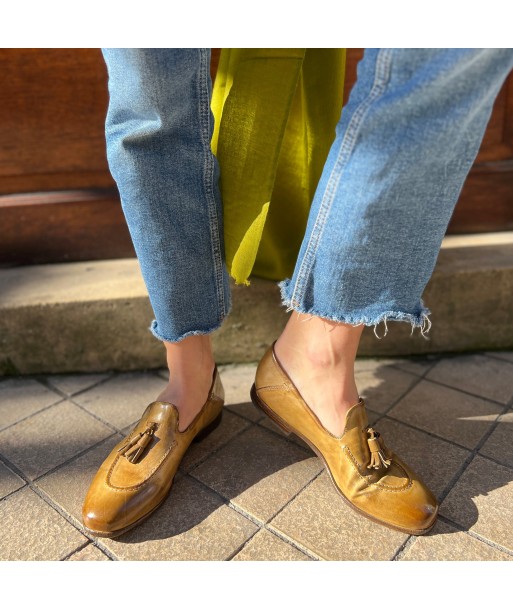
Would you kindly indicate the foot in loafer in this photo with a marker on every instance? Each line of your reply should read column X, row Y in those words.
column 368, row 475
column 137, row 475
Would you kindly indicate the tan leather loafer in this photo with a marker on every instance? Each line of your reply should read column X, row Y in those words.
column 370, row 478
column 136, row 477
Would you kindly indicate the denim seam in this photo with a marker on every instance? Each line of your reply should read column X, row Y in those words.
column 208, row 178
column 381, row 78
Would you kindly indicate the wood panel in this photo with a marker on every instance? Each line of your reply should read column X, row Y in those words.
column 58, row 201
column 64, row 225
column 52, row 110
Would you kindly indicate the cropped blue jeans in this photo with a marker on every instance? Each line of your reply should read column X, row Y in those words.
column 404, row 145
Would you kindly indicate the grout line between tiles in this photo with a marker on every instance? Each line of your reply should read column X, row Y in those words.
column 429, row 365
column 218, row 448
column 76, row 550
column 262, row 526
column 493, row 424
column 420, row 378
column 259, row 523
column 242, row 545
column 99, row 419
column 425, row 431
column 71, row 520
column 55, row 506
column 74, row 457
column 469, row 393
column 59, row 401
column 476, row 536
column 403, row 548
column 295, row 545
column 293, row 542
column 475, row 451
column 287, row 437
column 265, row 525
column 112, row 376
column 48, row 383
column 496, row 357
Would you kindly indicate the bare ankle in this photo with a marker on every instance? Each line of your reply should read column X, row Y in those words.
column 191, row 365
column 319, row 356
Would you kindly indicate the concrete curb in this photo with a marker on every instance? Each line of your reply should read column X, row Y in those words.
column 93, row 316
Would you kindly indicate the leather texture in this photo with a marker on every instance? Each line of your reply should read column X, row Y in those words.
column 131, row 484
column 368, row 475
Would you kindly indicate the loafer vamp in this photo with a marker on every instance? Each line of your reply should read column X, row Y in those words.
column 125, row 474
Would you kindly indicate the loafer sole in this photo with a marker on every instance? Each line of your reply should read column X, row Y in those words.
column 260, row 404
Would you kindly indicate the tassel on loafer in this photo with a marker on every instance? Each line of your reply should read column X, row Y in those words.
column 136, row 477
column 369, row 476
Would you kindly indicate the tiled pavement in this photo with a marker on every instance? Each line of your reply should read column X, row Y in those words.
column 247, row 492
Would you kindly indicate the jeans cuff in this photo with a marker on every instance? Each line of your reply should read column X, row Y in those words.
column 175, row 339
column 419, row 319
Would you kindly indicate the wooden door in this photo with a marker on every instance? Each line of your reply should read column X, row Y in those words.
column 58, row 201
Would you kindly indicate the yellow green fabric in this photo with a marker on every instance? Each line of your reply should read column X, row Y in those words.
column 275, row 115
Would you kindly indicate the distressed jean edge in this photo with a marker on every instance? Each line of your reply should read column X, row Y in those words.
column 153, row 328
column 418, row 319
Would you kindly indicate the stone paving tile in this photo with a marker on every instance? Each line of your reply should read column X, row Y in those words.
column 364, row 364
column 499, row 445
column 90, row 552
column 230, row 426
column 32, row 530
column 484, row 376
column 192, row 524
column 20, row 398
column 73, row 383
column 416, row 365
column 505, row 355
column 266, row 546
column 434, row 460
column 247, row 410
column 482, row 501
column 51, row 437
column 9, row 481
column 237, row 380
column 381, row 385
column 447, row 413
column 445, row 542
column 259, row 472
column 121, row 400
column 321, row 521
column 68, row 485
column 268, row 423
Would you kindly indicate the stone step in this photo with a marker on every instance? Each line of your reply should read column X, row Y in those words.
column 93, row 316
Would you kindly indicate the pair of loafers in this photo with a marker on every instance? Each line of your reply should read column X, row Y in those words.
column 138, row 474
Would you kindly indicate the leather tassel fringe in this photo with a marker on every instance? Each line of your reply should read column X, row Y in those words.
column 377, row 450
column 133, row 449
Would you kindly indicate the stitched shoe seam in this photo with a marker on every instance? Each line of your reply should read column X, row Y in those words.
column 146, row 480
column 156, row 468
column 283, row 386
column 384, row 487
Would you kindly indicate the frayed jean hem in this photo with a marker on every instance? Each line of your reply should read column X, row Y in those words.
column 176, row 339
column 417, row 320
